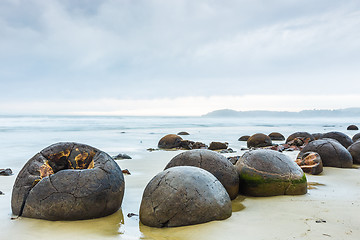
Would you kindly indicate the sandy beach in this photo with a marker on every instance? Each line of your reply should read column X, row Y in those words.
column 328, row 211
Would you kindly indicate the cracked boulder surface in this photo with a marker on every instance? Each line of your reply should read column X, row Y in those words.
column 266, row 172
column 184, row 195
column 213, row 162
column 342, row 138
column 259, row 140
column 354, row 150
column 68, row 181
column 331, row 152
column 300, row 134
column 310, row 162
column 170, row 141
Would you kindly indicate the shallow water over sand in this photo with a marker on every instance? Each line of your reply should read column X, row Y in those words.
column 329, row 209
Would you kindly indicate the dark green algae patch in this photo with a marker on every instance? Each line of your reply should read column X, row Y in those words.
column 260, row 187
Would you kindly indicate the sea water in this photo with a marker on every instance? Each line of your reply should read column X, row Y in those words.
column 21, row 137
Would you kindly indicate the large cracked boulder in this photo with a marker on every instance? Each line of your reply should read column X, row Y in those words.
column 342, row 138
column 212, row 162
column 332, row 153
column 68, row 181
column 266, row 172
column 182, row 196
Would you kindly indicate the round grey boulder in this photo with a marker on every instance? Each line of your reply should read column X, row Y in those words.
column 332, row 153
column 356, row 137
column 68, row 181
column 212, row 162
column 354, row 150
column 342, row 138
column 266, row 172
column 182, row 196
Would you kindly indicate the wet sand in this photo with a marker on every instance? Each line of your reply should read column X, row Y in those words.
column 330, row 210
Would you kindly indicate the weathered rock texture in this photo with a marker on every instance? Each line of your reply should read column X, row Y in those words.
column 276, row 136
column 342, row 138
column 310, row 162
column 259, row 140
column 6, row 172
column 212, row 162
column 268, row 173
column 332, row 153
column 300, row 135
column 170, row 141
column 182, row 196
column 68, row 181
column 354, row 150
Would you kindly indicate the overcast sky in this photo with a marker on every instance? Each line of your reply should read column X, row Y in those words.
column 178, row 57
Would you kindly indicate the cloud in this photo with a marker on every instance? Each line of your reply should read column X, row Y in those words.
column 154, row 49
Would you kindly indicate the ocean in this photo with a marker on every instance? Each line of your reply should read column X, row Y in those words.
column 21, row 137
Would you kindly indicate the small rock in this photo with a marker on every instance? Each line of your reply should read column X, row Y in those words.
column 6, row 172
column 244, row 138
column 320, row 221
column 121, row 156
column 234, row 159
column 132, row 215
column 183, row 133
column 352, row 127
column 218, row 145
column 152, row 149
column 187, row 144
column 1, row 193
column 126, row 171
column 199, row 145
column 244, row 149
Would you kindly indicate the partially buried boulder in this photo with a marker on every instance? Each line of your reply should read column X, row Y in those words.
column 310, row 162
column 213, row 162
column 218, row 145
column 268, row 173
column 276, row 136
column 182, row 196
column 342, row 138
column 356, row 137
column 352, row 127
column 300, row 135
column 6, row 172
column 244, row 138
column 259, row 140
column 68, row 181
column 170, row 141
column 332, row 153
column 183, row 133
column 354, row 150
column 318, row 135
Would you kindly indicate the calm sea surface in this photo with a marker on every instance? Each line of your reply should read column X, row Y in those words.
column 23, row 136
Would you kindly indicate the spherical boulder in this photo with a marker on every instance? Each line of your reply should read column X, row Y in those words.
column 244, row 138
column 183, row 133
column 318, row 135
column 352, row 127
column 354, row 150
column 332, row 153
column 276, row 136
column 212, row 162
column 68, row 181
column 300, row 135
column 342, row 138
column 218, row 145
column 356, row 137
column 310, row 162
column 266, row 172
column 183, row 195
column 170, row 141
column 259, row 140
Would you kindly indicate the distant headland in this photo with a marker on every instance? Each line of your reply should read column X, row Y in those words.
column 347, row 112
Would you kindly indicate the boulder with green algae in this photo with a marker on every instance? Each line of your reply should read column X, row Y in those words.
column 265, row 172
column 68, row 181
column 182, row 196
